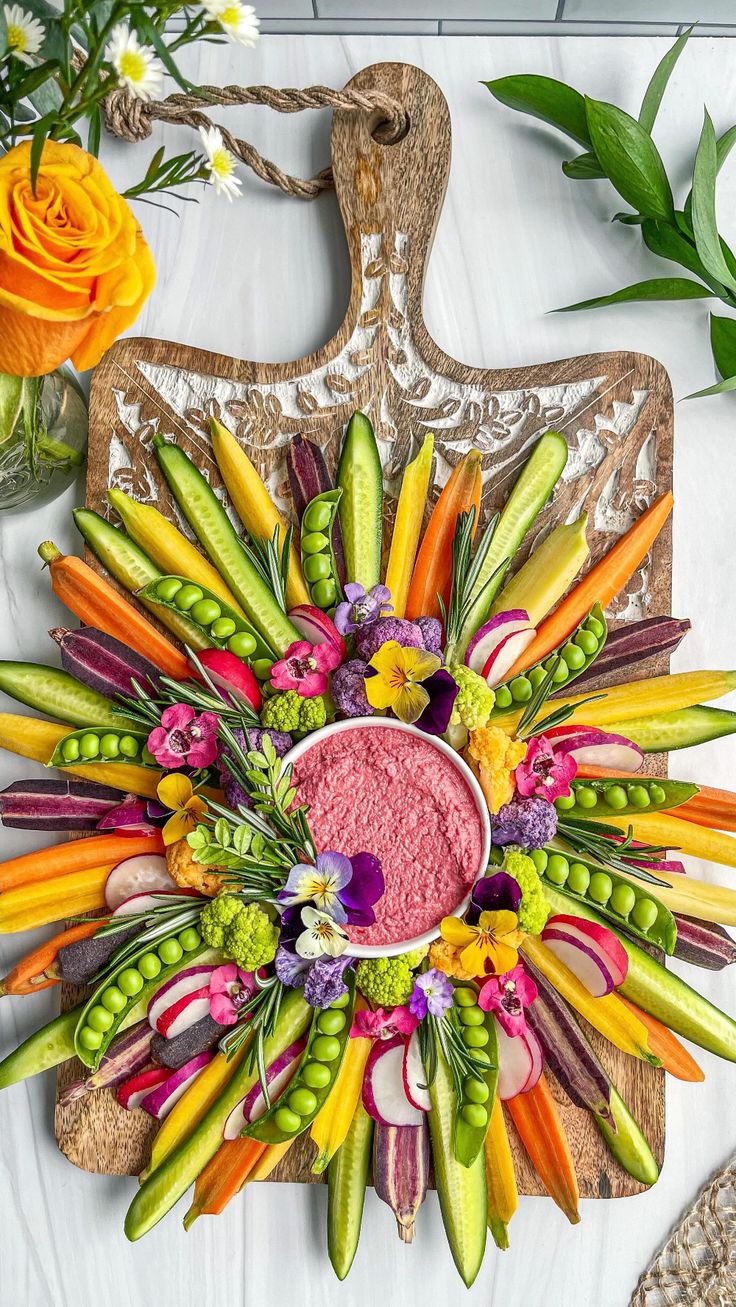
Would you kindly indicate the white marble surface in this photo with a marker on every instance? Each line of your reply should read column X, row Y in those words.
column 267, row 278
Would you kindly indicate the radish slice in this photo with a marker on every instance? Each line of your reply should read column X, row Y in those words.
column 509, row 650
column 488, row 637
column 232, row 675
column 148, row 902
column 415, row 1077
column 591, row 951
column 159, row 1101
column 593, row 748
column 184, row 982
column 537, row 1055
column 280, row 1073
column 515, row 1063
column 184, row 1013
column 590, row 968
column 141, row 874
column 384, row 1097
column 131, row 1094
column 316, row 627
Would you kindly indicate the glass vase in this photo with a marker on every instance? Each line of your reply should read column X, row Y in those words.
column 43, row 437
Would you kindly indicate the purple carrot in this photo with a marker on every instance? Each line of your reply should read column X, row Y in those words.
column 309, row 476
column 80, row 961
column 567, row 1050
column 401, row 1171
column 127, row 1055
column 704, row 944
column 633, row 643
column 196, row 1039
column 65, row 805
column 102, row 662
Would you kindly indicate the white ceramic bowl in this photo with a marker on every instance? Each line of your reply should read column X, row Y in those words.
column 388, row 724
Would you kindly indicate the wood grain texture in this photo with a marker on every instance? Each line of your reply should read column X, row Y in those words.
column 615, row 410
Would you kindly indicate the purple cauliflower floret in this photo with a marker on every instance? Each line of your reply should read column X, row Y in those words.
column 530, row 823
column 235, row 795
column 290, row 968
column 431, row 629
column 370, row 638
column 347, row 688
column 325, row 981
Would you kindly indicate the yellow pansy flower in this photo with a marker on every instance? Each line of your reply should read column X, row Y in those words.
column 491, row 947
column 175, row 792
column 396, row 684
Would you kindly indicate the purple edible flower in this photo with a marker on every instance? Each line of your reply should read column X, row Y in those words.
column 530, row 823
column 235, row 795
column 370, row 638
column 432, row 993
column 496, row 893
column 348, row 689
column 361, row 607
column 325, row 981
column 345, row 888
column 431, row 629
column 290, row 968
column 443, row 691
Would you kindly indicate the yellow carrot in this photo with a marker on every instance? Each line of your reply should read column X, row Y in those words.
column 38, row 904
column 29, row 737
column 694, row 898
column 685, row 836
column 503, row 1195
column 546, row 575
column 332, row 1122
column 253, row 504
column 606, row 1014
column 408, row 525
column 191, row 1107
column 623, row 703
column 269, row 1160
column 166, row 545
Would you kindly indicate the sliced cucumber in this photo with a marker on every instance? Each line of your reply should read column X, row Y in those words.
column 360, row 477
column 461, row 1189
column 218, row 537
column 527, row 499
column 57, row 694
column 347, row 1177
column 627, row 1143
column 663, row 732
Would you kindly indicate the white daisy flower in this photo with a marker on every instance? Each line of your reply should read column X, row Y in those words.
column 24, row 33
column 137, row 67
column 239, row 21
column 220, row 163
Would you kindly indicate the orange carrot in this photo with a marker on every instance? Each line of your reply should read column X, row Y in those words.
column 76, row 855
column 432, row 573
column 600, row 585
column 672, row 1054
column 37, row 970
column 714, row 808
column 223, row 1176
column 96, row 603
column 540, row 1129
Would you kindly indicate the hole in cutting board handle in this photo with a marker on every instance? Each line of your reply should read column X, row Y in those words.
column 380, row 131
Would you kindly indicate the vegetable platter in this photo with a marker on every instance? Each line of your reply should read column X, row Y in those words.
column 359, row 746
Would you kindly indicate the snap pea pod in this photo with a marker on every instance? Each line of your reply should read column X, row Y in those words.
column 57, row 694
column 632, row 907
column 54, row 1043
column 218, row 623
column 627, row 1143
column 319, row 564
column 315, row 1076
column 142, row 972
column 95, row 745
column 166, row 1185
column 461, row 1189
column 124, row 560
column 478, row 1032
column 623, row 795
column 570, row 659
column 347, row 1177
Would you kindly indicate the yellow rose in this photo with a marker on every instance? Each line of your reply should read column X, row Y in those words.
column 74, row 266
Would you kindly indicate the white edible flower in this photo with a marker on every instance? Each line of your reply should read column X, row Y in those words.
column 220, row 162
column 24, row 33
column 137, row 67
column 239, row 21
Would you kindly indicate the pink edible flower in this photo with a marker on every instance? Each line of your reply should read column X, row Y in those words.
column 183, row 738
column 305, row 667
column 545, row 772
column 230, row 989
column 383, row 1025
column 507, row 996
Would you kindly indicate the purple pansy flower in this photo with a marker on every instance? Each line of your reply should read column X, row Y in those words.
column 432, row 994
column 443, row 692
column 496, row 893
column 345, row 888
column 361, row 607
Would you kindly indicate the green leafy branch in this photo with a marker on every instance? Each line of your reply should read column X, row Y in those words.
column 620, row 148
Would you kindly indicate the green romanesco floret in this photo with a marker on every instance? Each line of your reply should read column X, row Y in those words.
column 533, row 909
column 474, row 704
column 216, row 917
column 281, row 712
column 312, row 713
column 252, row 938
column 388, row 982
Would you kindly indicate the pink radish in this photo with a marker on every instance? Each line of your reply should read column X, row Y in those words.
column 280, row 1074
column 184, row 982
column 187, row 1010
column 593, row 748
column 316, row 627
column 592, row 952
column 159, row 1101
column 415, row 1076
column 144, row 873
column 520, row 1062
column 506, row 655
column 488, row 637
column 232, row 675
column 384, row 1096
column 131, row 1094
column 537, row 1056
column 149, row 902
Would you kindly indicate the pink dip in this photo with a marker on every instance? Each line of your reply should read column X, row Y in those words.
column 397, row 796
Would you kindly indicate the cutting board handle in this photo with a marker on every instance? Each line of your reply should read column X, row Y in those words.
column 393, row 192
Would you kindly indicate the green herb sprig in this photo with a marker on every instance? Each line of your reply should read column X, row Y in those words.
column 603, row 844
column 271, row 560
column 466, row 567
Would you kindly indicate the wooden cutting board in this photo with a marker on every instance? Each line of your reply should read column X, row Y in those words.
column 615, row 409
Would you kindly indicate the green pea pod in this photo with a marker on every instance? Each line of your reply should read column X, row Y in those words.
column 325, row 1050
column 166, row 1185
column 470, row 1134
column 627, row 1143
column 161, row 595
column 347, row 1177
column 623, row 796
column 69, row 750
column 318, row 558
column 593, row 628
column 54, row 1043
column 663, row 930
column 57, row 694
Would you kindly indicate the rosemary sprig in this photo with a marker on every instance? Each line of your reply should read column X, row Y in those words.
column 537, row 701
column 442, row 1034
column 466, row 568
column 272, row 565
column 147, row 706
column 602, row 847
column 257, row 1022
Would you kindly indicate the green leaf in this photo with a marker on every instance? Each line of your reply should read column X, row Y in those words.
column 629, row 219
column 657, row 86
column 584, row 168
column 242, row 838
column 631, row 160
column 659, row 288
column 705, row 230
column 723, row 344
column 95, row 130
column 721, row 388
column 724, row 145
column 11, row 396
column 544, row 98
column 148, row 33
column 38, row 141
column 668, row 243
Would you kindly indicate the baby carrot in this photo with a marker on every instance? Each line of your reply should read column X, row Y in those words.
column 408, row 525
column 29, row 737
column 331, row 1124
column 37, row 969
column 432, row 573
column 667, row 1047
column 188, row 1111
column 52, row 900
column 714, row 808
column 662, row 828
column 75, row 855
column 223, row 1176
column 269, row 1160
column 503, row 1195
column 540, row 1129
column 601, row 584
